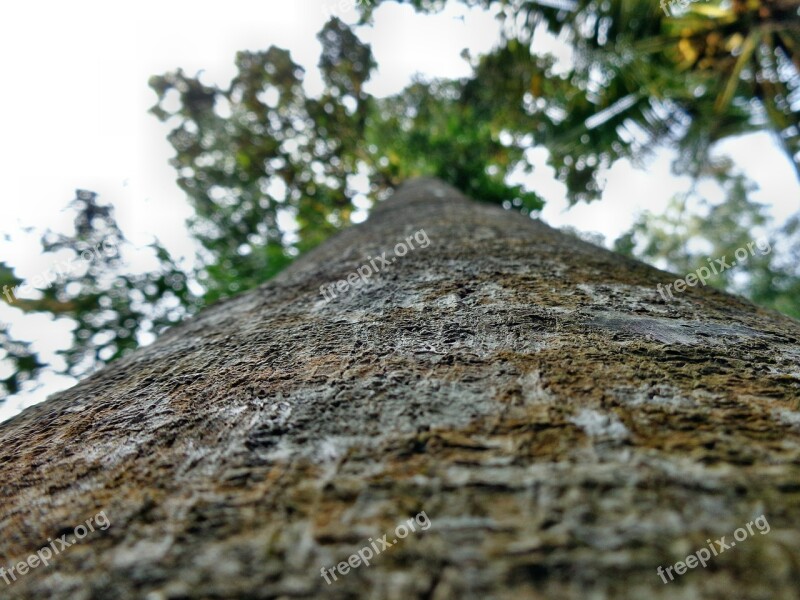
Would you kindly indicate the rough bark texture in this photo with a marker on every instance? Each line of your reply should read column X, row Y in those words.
column 565, row 430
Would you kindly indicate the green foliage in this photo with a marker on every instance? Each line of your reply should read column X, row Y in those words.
column 112, row 310
column 23, row 360
column 245, row 153
column 436, row 129
column 639, row 78
column 693, row 230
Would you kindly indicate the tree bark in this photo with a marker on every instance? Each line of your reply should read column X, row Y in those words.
column 565, row 429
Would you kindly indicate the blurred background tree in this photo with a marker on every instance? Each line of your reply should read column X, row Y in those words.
column 271, row 172
column 113, row 310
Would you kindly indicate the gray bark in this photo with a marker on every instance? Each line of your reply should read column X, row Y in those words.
column 564, row 428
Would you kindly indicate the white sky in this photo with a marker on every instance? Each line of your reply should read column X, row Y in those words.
column 74, row 115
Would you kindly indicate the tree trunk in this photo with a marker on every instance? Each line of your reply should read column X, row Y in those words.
column 562, row 430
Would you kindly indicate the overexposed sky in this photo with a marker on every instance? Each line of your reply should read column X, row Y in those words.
column 73, row 114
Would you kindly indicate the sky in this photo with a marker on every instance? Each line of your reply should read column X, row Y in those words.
column 74, row 115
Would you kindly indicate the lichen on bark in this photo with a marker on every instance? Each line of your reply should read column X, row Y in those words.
column 566, row 430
